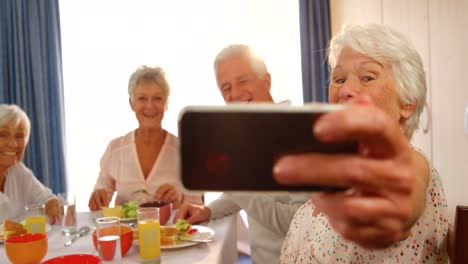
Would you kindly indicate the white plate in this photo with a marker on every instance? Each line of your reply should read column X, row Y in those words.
column 128, row 220
column 98, row 214
column 203, row 232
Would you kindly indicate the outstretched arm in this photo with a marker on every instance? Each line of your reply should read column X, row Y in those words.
column 273, row 211
column 386, row 179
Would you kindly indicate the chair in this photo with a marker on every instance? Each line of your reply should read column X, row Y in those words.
column 459, row 252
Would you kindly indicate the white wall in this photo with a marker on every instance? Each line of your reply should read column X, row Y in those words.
column 439, row 31
column 104, row 41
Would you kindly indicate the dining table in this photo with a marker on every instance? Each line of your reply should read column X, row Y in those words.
column 223, row 248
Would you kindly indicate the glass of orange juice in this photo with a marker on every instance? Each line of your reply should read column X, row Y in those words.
column 35, row 221
column 149, row 234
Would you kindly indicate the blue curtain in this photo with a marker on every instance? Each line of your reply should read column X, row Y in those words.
column 315, row 36
column 31, row 77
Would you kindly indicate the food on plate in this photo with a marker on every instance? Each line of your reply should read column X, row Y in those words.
column 11, row 228
column 182, row 225
column 129, row 209
column 170, row 235
column 168, row 241
column 169, row 231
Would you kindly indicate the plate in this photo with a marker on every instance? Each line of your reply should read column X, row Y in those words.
column 76, row 258
column 98, row 214
column 203, row 232
column 2, row 240
column 128, row 220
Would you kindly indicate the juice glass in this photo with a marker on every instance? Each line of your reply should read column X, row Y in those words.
column 35, row 219
column 149, row 234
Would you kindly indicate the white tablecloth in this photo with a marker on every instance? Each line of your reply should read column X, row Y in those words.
column 222, row 250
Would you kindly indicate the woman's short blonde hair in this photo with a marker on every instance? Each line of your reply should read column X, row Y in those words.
column 154, row 74
column 388, row 46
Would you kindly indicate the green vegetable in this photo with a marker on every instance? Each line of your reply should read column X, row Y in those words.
column 130, row 209
column 183, row 225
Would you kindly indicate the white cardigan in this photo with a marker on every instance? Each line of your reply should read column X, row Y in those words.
column 21, row 189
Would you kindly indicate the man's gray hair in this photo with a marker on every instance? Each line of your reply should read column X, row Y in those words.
column 239, row 50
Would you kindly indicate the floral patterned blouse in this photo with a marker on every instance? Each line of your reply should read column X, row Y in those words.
column 311, row 239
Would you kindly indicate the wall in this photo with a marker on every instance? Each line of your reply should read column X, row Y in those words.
column 439, row 31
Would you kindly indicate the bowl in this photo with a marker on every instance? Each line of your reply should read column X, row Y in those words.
column 76, row 258
column 34, row 244
column 126, row 239
column 165, row 209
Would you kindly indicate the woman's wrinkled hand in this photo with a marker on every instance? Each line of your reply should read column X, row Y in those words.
column 169, row 193
column 375, row 210
column 99, row 198
column 52, row 210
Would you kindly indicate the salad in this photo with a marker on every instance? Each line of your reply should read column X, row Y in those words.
column 129, row 209
column 184, row 229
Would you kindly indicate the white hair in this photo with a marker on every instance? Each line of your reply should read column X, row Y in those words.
column 388, row 46
column 14, row 114
column 238, row 50
column 156, row 75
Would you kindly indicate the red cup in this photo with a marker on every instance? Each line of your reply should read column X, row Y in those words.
column 108, row 247
column 165, row 210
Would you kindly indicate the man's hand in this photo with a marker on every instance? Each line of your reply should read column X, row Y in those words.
column 98, row 199
column 376, row 209
column 193, row 213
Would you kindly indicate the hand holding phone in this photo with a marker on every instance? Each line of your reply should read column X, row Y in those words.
column 234, row 147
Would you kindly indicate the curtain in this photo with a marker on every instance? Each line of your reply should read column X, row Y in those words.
column 314, row 18
column 31, row 77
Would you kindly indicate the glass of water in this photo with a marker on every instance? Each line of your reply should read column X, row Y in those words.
column 108, row 238
column 68, row 213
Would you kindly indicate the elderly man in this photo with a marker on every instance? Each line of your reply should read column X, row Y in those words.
column 242, row 76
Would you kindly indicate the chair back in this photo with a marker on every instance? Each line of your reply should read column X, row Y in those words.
column 461, row 235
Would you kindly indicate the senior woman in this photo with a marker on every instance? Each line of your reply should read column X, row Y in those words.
column 146, row 158
column 18, row 185
column 395, row 209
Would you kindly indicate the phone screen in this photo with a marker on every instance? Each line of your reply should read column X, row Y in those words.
column 235, row 151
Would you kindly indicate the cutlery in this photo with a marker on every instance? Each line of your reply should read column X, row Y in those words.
column 83, row 231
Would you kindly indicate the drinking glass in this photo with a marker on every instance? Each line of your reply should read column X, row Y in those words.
column 108, row 238
column 35, row 219
column 149, row 234
column 67, row 203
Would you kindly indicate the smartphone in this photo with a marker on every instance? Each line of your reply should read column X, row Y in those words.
column 234, row 147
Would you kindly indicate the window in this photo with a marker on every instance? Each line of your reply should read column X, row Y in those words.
column 103, row 42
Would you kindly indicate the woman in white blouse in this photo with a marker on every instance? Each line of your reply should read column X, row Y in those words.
column 18, row 185
column 146, row 158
